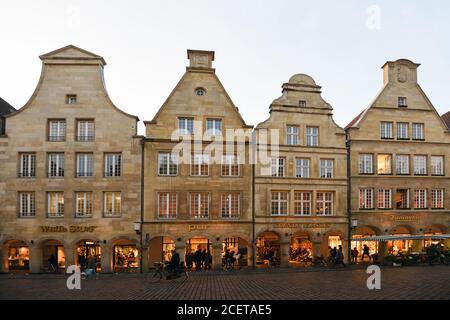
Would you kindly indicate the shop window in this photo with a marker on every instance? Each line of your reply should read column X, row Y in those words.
column 18, row 258
column 126, row 258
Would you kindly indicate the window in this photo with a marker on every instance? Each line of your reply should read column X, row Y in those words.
column 112, row 204
column 402, row 102
column 437, row 165
column 326, row 168
column 230, row 166
column 200, row 92
column 278, row 167
column 167, row 164
column 384, row 199
column 71, row 99
column 312, row 136
column 27, row 204
column 55, row 204
column 402, row 130
column 437, row 199
column 302, row 104
column 292, row 135
column 113, row 162
column 366, row 198
column 56, row 130
column 55, row 165
column 279, row 203
column 27, row 165
column 402, row 199
column 85, row 164
column 417, row 131
column 200, row 165
column 384, row 164
column 420, row 165
column 83, row 204
column 386, row 130
column 365, row 163
column 185, row 126
column 199, row 205
column 420, row 199
column 214, row 127
column 324, row 203
column 302, row 203
column 167, row 205
column 85, row 130
column 230, row 205
column 302, row 168
column 402, row 164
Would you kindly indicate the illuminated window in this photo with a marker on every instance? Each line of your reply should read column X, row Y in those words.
column 384, row 164
column 302, row 203
column 384, row 199
column 112, row 204
column 366, row 198
column 365, row 163
column 83, row 204
column 167, row 205
column 279, row 203
column 55, row 204
column 402, row 164
column 324, row 203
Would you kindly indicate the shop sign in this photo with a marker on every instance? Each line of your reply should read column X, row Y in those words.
column 408, row 217
column 197, row 227
column 72, row 229
column 302, row 225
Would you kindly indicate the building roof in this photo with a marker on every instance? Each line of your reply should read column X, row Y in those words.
column 5, row 107
column 355, row 120
column 446, row 118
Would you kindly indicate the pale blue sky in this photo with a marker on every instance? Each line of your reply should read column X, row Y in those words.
column 258, row 44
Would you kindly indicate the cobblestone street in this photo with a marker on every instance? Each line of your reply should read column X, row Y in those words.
column 281, row 284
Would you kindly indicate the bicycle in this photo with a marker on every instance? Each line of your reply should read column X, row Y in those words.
column 162, row 272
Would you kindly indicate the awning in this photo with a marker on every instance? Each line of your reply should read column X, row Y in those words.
column 408, row 237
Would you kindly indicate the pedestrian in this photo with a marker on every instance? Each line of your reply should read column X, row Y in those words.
column 355, row 253
column 238, row 258
column 340, row 256
column 52, row 263
column 197, row 259
column 82, row 262
column 202, row 259
column 365, row 252
column 208, row 260
column 91, row 266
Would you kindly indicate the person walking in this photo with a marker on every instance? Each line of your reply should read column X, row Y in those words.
column 355, row 253
column 82, row 262
column 91, row 267
column 208, row 260
column 365, row 252
column 52, row 266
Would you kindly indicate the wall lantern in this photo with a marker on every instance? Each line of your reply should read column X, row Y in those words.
column 137, row 227
column 354, row 223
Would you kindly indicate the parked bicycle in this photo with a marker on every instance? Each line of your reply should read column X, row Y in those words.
column 163, row 270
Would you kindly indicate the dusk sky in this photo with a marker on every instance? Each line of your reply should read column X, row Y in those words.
column 259, row 45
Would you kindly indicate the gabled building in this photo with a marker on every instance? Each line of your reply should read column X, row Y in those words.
column 70, row 174
column 400, row 158
column 197, row 188
column 300, row 177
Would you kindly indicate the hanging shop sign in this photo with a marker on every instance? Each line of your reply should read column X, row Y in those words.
column 72, row 229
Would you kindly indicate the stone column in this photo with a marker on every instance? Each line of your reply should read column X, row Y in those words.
column 284, row 254
column 250, row 256
column 35, row 259
column 382, row 250
column 69, row 254
column 217, row 257
column 4, row 256
column 105, row 259
column 145, row 258
column 316, row 248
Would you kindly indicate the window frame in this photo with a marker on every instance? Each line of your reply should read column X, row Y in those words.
column 228, row 166
column 214, row 131
column 302, row 167
column 31, row 165
column 85, row 136
column 324, row 201
column 326, row 169
column 399, row 156
column 299, row 203
column 414, row 132
column 106, row 171
column 87, row 206
column 61, row 126
column 85, row 155
column 279, row 202
column 186, row 121
column 167, row 215
column 314, row 135
column 31, row 205
column 60, row 157
column 363, row 163
column 58, row 214
column 391, row 131
column 171, row 164
column 275, row 168
column 292, row 135
column 229, row 201
column 200, row 164
column 382, row 199
column 366, row 199
column 402, row 128
column 114, row 212
column 198, row 215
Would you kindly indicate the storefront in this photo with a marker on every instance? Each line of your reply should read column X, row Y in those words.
column 301, row 249
column 86, row 249
column 236, row 245
column 267, row 245
column 125, row 258
column 53, row 252
column 399, row 245
column 360, row 233
column 18, row 256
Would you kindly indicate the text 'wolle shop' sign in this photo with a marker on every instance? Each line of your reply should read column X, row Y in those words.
column 73, row 229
